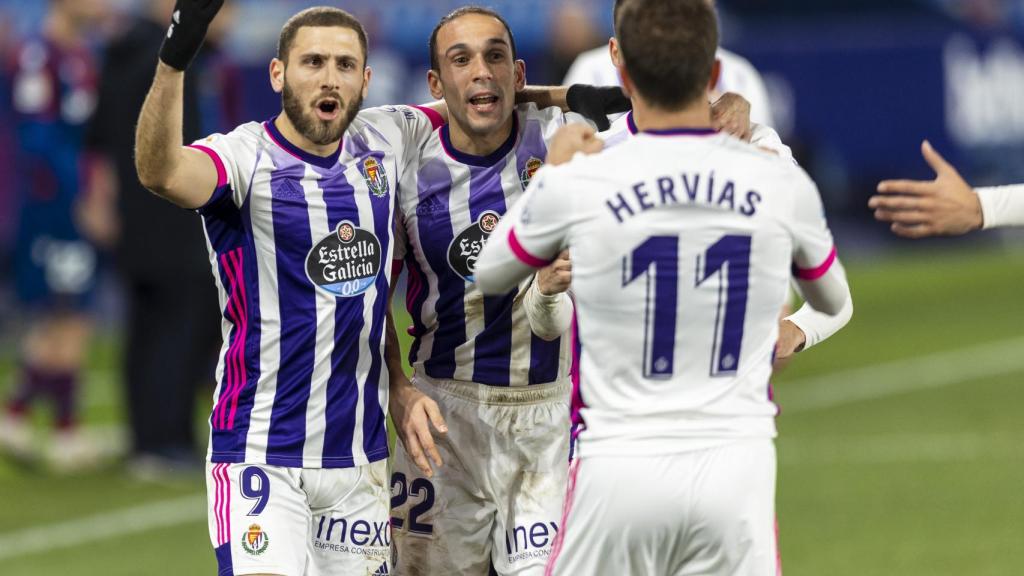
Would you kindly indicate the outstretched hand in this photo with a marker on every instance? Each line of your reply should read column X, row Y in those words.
column 944, row 206
column 413, row 413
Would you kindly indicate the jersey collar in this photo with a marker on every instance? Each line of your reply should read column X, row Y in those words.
column 481, row 161
column 320, row 161
column 631, row 124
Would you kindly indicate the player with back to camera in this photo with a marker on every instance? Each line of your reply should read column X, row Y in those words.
column 683, row 241
column 497, row 366
column 730, row 113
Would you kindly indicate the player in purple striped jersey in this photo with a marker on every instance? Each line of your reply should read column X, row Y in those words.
column 497, row 366
column 298, row 213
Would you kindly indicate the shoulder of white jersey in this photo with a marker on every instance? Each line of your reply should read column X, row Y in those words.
column 617, row 132
column 732, row 59
column 758, row 154
column 382, row 120
column 593, row 66
column 551, row 118
column 244, row 137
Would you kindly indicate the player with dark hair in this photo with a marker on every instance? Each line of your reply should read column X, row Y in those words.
column 298, row 213
column 497, row 366
column 683, row 241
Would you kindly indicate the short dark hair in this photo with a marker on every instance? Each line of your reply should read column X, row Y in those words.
column 459, row 13
column 318, row 17
column 668, row 48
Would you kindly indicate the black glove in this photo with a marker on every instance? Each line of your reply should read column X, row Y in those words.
column 597, row 102
column 189, row 22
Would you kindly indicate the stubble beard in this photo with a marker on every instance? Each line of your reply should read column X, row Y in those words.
column 317, row 131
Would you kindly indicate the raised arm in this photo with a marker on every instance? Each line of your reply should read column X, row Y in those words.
column 182, row 175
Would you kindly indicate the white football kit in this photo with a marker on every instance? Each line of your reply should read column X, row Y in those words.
column 300, row 247
column 683, row 243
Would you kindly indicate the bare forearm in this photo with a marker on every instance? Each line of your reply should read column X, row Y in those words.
column 544, row 96
column 158, row 136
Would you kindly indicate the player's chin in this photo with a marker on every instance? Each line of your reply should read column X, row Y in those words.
column 485, row 123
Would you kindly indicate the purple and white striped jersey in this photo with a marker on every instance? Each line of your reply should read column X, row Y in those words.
column 448, row 205
column 300, row 247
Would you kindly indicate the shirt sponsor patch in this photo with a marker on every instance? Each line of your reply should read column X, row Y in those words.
column 346, row 262
column 466, row 246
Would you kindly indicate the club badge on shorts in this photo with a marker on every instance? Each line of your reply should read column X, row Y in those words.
column 346, row 262
column 255, row 540
column 375, row 176
column 532, row 165
column 466, row 246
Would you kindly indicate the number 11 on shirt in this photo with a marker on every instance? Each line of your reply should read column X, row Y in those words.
column 658, row 259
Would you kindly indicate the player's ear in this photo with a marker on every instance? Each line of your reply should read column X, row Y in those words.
column 716, row 71
column 367, row 73
column 520, row 75
column 626, row 80
column 613, row 49
column 434, row 83
column 276, row 75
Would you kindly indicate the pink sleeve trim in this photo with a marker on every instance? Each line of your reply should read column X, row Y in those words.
column 222, row 174
column 521, row 253
column 436, row 120
column 818, row 271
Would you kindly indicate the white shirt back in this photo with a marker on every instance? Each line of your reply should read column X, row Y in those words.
column 682, row 244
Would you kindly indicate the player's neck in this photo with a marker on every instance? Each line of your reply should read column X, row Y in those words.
column 647, row 117
column 480, row 145
column 288, row 130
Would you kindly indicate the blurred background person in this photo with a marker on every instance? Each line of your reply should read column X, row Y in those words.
column 53, row 83
column 172, row 320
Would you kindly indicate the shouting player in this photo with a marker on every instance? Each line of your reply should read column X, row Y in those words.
column 497, row 365
column 298, row 212
column 682, row 242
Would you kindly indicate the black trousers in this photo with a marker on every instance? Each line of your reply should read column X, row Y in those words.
column 173, row 337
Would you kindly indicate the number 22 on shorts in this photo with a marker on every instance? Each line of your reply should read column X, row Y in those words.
column 401, row 490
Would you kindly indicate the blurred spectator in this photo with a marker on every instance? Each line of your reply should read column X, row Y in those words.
column 6, row 144
column 172, row 319
column 53, row 95
column 573, row 30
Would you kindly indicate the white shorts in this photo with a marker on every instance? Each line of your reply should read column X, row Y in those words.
column 498, row 498
column 299, row 521
column 708, row 512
